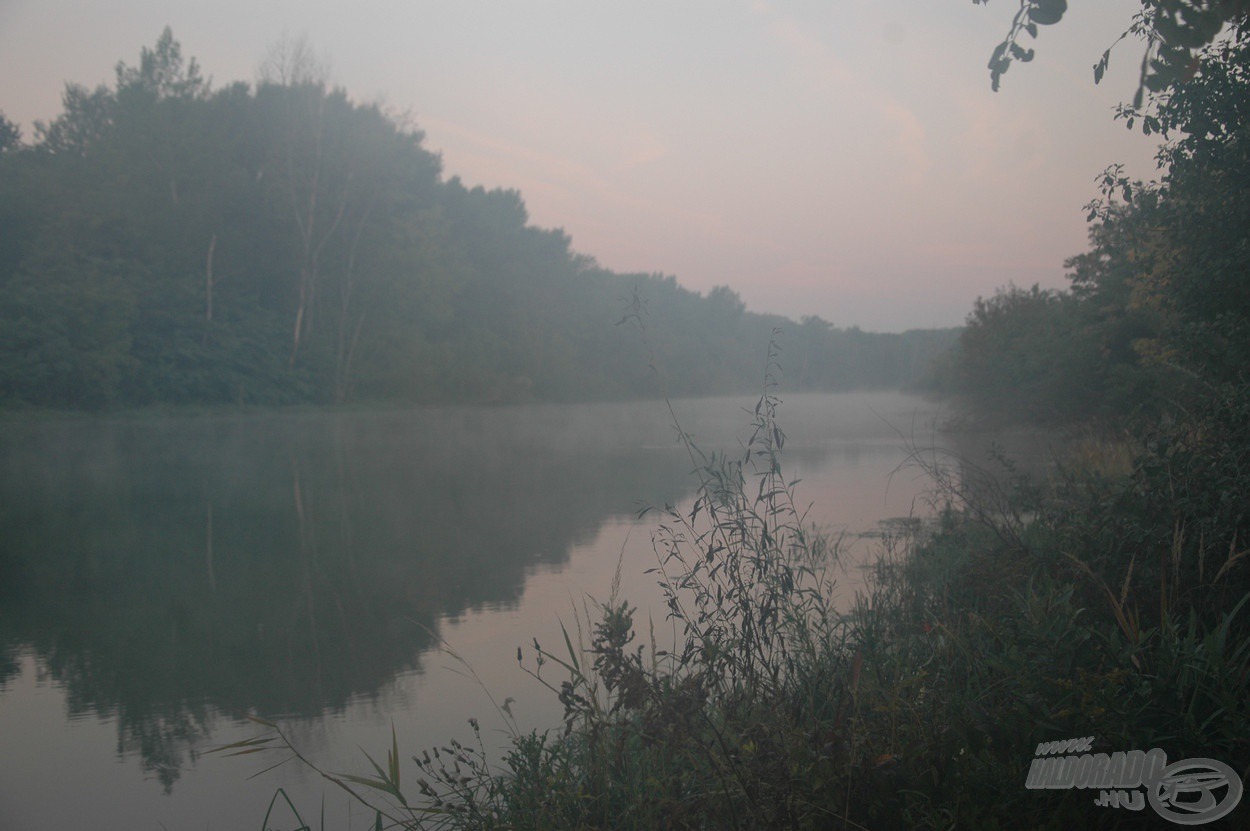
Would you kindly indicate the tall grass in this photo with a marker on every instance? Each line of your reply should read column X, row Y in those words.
column 1025, row 612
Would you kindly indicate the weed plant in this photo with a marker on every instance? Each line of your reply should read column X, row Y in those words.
column 1108, row 601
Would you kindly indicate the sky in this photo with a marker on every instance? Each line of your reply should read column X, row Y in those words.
column 840, row 158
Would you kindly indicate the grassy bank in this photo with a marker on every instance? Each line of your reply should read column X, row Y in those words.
column 1107, row 601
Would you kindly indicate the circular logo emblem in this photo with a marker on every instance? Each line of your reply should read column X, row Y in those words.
column 1195, row 791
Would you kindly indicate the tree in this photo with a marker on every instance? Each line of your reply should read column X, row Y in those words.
column 1030, row 355
column 162, row 73
column 65, row 325
column 1158, row 316
column 165, row 242
column 1201, row 216
column 10, row 135
column 86, row 119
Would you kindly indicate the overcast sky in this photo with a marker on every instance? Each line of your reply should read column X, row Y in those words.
column 844, row 158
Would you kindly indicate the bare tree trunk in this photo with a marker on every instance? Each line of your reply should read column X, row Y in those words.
column 208, row 281
column 312, row 237
column 347, row 349
column 344, row 382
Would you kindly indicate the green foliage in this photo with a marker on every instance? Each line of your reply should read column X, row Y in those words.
column 161, row 72
column 284, row 244
column 1151, row 343
column 1158, row 314
column 1030, row 355
column 65, row 331
column 10, row 135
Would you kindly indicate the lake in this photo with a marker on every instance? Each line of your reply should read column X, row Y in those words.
column 161, row 578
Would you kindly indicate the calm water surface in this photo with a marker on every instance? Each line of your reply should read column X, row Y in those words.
column 162, row 578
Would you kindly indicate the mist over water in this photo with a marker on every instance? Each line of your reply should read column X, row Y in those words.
column 163, row 577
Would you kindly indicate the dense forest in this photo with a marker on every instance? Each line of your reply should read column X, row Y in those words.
column 165, row 242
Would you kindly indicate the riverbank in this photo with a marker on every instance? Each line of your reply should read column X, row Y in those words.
column 1093, row 604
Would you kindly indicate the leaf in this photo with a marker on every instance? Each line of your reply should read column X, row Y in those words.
column 393, row 760
column 253, row 745
column 1048, row 12
column 377, row 767
column 281, row 793
column 568, row 644
column 1021, row 54
column 245, row 752
column 377, row 784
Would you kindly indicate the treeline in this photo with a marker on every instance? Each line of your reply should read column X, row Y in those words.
column 1157, row 317
column 162, row 241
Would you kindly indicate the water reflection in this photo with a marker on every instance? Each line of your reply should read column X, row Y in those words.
column 166, row 570
column 166, row 576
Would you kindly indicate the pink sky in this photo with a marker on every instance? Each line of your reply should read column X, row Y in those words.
column 839, row 158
